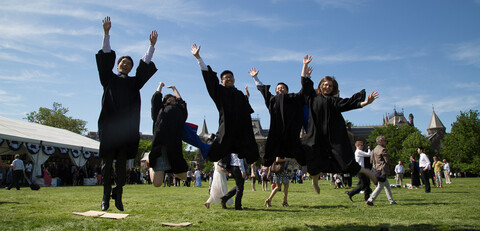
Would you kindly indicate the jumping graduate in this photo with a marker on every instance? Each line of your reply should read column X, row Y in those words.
column 235, row 132
column 169, row 114
column 286, row 120
column 327, row 146
column 119, row 121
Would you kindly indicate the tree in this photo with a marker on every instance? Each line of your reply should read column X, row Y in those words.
column 395, row 136
column 462, row 146
column 143, row 147
column 56, row 117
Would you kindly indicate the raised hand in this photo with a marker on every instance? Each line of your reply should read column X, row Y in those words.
column 253, row 72
column 372, row 97
column 196, row 51
column 153, row 38
column 307, row 59
column 309, row 70
column 107, row 24
column 160, row 86
column 247, row 93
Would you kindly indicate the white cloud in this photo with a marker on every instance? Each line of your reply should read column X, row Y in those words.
column 467, row 52
column 473, row 86
column 27, row 76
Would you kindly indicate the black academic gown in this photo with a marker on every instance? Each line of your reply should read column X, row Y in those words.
column 168, row 123
column 286, row 120
column 327, row 145
column 415, row 171
column 235, row 132
column 119, row 121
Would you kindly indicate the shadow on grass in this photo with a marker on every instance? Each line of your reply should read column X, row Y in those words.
column 9, row 202
column 379, row 227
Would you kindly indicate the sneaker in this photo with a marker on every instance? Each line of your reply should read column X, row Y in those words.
column 393, row 203
column 369, row 203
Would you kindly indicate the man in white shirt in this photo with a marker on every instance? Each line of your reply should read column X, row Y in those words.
column 399, row 170
column 425, row 165
column 18, row 169
column 446, row 172
column 363, row 181
column 235, row 166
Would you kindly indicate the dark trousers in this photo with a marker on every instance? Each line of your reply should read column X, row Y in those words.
column 120, row 171
column 17, row 176
column 363, row 184
column 238, row 189
column 425, row 179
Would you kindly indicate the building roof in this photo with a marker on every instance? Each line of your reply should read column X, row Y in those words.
column 435, row 122
column 33, row 133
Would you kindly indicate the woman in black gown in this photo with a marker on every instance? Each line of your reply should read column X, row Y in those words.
column 327, row 145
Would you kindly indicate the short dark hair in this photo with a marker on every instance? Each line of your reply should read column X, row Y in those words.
column 125, row 57
column 226, row 72
column 166, row 97
column 420, row 147
column 334, row 82
column 286, row 86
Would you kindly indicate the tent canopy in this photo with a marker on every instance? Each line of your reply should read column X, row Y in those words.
column 33, row 133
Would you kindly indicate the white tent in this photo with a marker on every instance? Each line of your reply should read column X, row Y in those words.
column 40, row 141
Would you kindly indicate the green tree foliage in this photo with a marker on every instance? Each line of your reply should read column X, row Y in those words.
column 462, row 146
column 410, row 146
column 143, row 147
column 395, row 136
column 56, row 117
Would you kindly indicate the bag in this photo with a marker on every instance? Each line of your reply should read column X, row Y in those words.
column 33, row 186
column 379, row 174
column 277, row 167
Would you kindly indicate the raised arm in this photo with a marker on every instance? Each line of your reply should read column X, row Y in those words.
column 175, row 91
column 247, row 93
column 147, row 58
column 196, row 52
column 107, row 25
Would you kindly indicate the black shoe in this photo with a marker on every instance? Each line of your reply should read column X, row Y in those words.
column 117, row 196
column 369, row 203
column 105, row 203
column 239, row 208
column 349, row 195
column 224, row 203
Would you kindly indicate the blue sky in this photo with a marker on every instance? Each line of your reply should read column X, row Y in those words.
column 416, row 54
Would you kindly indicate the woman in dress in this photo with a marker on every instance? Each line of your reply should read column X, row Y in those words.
column 415, row 173
column 279, row 179
column 198, row 178
column 47, row 177
column 327, row 145
column 219, row 187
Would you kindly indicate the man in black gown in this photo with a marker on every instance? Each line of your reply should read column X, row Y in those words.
column 119, row 121
column 286, row 120
column 235, row 133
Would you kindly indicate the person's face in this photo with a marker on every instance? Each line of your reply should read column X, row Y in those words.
column 399, row 162
column 327, row 87
column 360, row 146
column 419, row 151
column 228, row 80
column 124, row 66
column 383, row 142
column 281, row 89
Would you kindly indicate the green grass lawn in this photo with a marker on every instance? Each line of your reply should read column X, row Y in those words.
column 454, row 207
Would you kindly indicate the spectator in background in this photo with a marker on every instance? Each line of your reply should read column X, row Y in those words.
column 415, row 172
column 446, row 172
column 424, row 164
column 399, row 171
column 381, row 162
column 18, row 170
column 437, row 167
